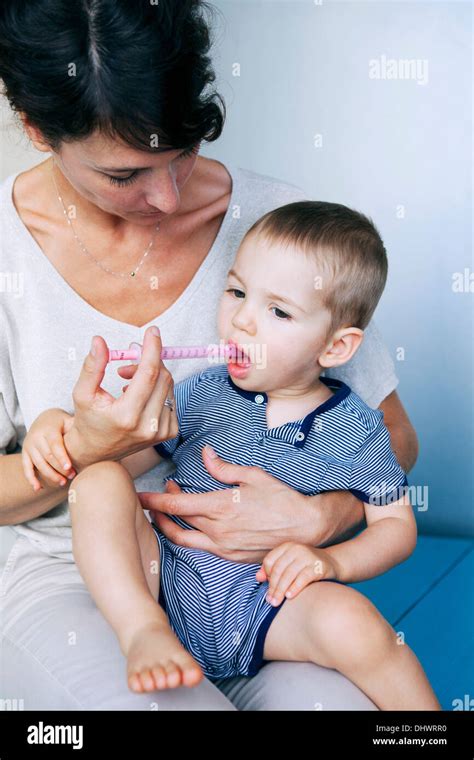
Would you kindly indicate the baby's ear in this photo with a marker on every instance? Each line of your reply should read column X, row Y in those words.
column 344, row 345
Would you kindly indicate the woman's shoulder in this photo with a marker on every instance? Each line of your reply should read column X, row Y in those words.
column 20, row 208
column 258, row 192
column 264, row 190
column 8, row 223
column 8, row 211
column 21, row 189
column 6, row 204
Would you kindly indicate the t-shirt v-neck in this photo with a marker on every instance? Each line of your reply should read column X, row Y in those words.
column 168, row 313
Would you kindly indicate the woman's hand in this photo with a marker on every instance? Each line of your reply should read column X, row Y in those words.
column 291, row 567
column 106, row 427
column 43, row 449
column 242, row 523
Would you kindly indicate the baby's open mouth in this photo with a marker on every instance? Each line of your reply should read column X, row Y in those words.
column 237, row 354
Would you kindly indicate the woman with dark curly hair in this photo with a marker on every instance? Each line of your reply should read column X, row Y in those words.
column 122, row 229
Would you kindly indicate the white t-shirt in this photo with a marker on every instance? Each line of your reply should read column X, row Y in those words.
column 46, row 330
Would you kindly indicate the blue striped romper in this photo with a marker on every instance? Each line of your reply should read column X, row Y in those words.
column 216, row 607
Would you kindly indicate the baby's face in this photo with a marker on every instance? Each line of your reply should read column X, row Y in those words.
column 271, row 308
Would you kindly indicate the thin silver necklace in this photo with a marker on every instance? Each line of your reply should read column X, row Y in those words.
column 83, row 248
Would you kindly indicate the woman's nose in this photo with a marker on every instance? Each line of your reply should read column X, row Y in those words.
column 162, row 192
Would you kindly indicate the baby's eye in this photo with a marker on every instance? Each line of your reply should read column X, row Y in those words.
column 237, row 293
column 279, row 313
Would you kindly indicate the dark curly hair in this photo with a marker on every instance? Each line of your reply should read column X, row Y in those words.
column 128, row 68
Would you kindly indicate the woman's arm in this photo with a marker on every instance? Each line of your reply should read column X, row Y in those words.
column 18, row 501
column 403, row 438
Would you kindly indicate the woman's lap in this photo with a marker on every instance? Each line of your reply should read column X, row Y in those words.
column 295, row 686
column 57, row 652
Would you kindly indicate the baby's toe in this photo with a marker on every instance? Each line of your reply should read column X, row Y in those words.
column 147, row 679
column 173, row 675
column 134, row 683
column 160, row 676
column 192, row 674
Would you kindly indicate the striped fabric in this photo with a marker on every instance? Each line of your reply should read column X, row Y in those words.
column 216, row 607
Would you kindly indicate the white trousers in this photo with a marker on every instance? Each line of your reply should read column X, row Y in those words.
column 57, row 652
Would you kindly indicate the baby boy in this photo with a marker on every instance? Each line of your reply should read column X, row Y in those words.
column 304, row 285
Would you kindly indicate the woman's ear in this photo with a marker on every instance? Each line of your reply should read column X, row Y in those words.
column 342, row 347
column 34, row 134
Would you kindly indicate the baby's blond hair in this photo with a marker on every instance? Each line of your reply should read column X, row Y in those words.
column 348, row 249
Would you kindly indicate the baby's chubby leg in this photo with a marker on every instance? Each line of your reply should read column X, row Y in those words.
column 117, row 553
column 335, row 626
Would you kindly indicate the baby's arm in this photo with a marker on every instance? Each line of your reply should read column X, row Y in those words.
column 43, row 449
column 390, row 538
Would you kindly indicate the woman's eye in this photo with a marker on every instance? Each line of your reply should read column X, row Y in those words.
column 237, row 293
column 123, row 180
column 279, row 313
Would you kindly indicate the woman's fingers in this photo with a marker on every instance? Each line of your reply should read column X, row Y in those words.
column 156, row 417
column 189, row 504
column 127, row 371
column 168, row 420
column 183, row 536
column 161, row 420
column 92, row 372
column 147, row 374
column 229, row 473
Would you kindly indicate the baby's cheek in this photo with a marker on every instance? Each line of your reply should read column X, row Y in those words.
column 286, row 359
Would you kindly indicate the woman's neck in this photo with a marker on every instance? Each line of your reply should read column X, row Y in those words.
column 56, row 182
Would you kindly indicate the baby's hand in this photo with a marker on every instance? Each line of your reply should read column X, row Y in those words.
column 44, row 449
column 290, row 567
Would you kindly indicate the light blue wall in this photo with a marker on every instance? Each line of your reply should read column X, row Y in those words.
column 386, row 143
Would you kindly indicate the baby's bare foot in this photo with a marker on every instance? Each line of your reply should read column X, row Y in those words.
column 156, row 659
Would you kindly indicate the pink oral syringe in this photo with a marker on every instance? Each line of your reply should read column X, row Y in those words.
column 213, row 350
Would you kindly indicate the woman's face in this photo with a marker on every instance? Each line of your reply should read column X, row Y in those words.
column 135, row 185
